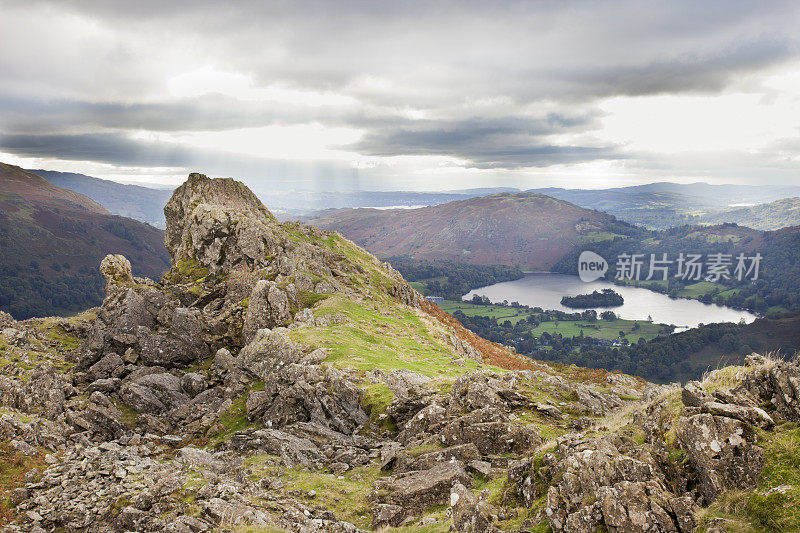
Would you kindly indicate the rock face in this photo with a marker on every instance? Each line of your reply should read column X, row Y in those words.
column 777, row 384
column 116, row 269
column 220, row 223
column 419, row 490
column 268, row 308
column 469, row 514
column 615, row 483
column 723, row 451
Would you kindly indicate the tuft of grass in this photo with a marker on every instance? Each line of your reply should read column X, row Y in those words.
column 377, row 397
column 233, row 419
column 347, row 495
column 309, row 299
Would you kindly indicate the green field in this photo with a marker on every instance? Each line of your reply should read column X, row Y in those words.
column 600, row 329
column 606, row 329
column 696, row 290
column 500, row 312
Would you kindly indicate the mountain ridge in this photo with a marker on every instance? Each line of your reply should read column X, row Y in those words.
column 132, row 201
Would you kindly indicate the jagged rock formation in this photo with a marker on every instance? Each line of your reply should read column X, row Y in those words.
column 280, row 377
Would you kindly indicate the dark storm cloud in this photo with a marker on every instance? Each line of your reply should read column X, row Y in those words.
column 111, row 148
column 509, row 142
column 685, row 74
column 117, row 149
column 215, row 112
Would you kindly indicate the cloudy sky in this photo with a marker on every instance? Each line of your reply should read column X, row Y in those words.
column 404, row 95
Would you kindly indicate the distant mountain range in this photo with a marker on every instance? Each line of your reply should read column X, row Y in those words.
column 666, row 205
column 141, row 203
column 53, row 239
column 529, row 230
column 655, row 205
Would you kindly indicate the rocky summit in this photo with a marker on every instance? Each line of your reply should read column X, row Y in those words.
column 280, row 378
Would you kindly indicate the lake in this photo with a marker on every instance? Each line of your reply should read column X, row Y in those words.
column 545, row 290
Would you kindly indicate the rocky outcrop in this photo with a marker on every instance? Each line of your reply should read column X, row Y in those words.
column 470, row 515
column 723, row 452
column 219, row 223
column 777, row 385
column 614, row 483
column 418, row 490
column 308, row 393
column 268, row 308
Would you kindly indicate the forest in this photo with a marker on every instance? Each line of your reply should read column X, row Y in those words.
column 604, row 298
column 449, row 279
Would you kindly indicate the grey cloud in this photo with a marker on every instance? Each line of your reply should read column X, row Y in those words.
column 510, row 142
column 117, row 149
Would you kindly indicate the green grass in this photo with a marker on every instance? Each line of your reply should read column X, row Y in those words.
column 500, row 312
column 234, row 418
column 309, row 299
column 187, row 269
column 696, row 290
column 383, row 335
column 605, row 329
column 598, row 236
column 346, row 495
column 377, row 397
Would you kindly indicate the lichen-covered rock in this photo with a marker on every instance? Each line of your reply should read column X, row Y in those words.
column 723, row 451
column 470, row 515
column 609, row 482
column 154, row 393
column 267, row 352
column 419, row 490
column 777, row 384
column 110, row 365
column 406, row 462
column 268, row 308
column 292, row 450
column 308, row 393
column 220, row 223
column 387, row 515
column 490, row 432
column 116, row 269
column 746, row 413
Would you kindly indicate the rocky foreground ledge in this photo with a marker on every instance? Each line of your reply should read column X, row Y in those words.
column 281, row 378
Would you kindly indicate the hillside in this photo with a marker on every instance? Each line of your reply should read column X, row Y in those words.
column 280, row 378
column 532, row 231
column 51, row 240
column 774, row 215
column 139, row 203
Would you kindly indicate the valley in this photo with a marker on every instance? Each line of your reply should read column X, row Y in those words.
column 51, row 240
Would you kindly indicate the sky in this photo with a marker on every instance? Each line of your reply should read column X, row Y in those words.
column 404, row 95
